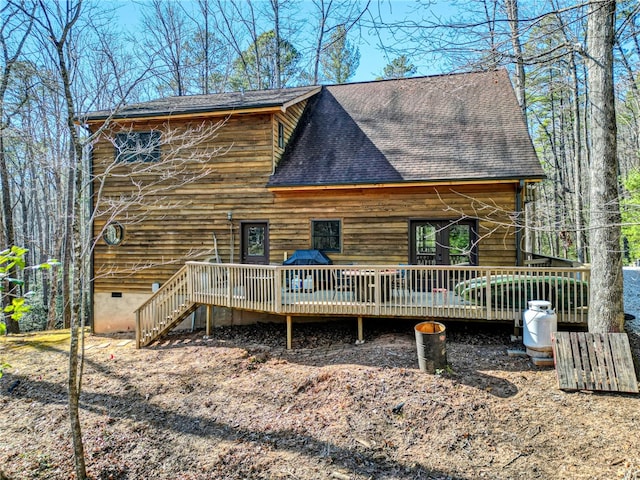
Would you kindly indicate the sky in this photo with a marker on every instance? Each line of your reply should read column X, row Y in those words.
column 372, row 58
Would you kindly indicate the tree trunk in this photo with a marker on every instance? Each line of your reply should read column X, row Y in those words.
column 581, row 243
column 512, row 15
column 9, row 235
column 606, row 309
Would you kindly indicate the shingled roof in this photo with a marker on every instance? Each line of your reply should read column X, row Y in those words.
column 426, row 129
column 194, row 104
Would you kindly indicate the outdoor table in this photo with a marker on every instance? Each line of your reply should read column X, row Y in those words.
column 364, row 282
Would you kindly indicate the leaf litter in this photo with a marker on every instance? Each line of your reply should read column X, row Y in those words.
column 238, row 405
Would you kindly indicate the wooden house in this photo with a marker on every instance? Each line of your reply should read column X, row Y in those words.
column 422, row 171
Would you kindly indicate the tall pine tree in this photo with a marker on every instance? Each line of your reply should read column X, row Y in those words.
column 339, row 58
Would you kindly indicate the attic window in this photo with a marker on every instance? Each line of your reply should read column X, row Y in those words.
column 325, row 235
column 280, row 135
column 138, row 146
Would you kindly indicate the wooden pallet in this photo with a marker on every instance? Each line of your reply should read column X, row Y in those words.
column 593, row 361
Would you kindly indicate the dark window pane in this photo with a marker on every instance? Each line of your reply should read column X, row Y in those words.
column 326, row 235
column 138, row 146
column 256, row 242
column 460, row 244
column 280, row 135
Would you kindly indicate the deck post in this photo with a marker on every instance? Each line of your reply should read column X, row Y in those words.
column 209, row 319
column 289, row 331
column 377, row 294
column 138, row 333
column 488, row 295
column 360, row 331
column 277, row 291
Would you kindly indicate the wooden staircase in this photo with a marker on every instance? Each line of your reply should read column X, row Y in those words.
column 169, row 306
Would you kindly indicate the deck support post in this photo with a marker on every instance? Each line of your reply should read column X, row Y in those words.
column 209, row 319
column 289, row 331
column 138, row 332
column 360, row 331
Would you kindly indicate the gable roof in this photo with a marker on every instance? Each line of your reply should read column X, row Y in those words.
column 214, row 103
column 427, row 129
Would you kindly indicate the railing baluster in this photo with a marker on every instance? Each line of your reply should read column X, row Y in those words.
column 407, row 290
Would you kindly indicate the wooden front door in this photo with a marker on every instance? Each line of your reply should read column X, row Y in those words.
column 443, row 242
column 255, row 243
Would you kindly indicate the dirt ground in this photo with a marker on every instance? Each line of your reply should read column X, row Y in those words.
column 239, row 406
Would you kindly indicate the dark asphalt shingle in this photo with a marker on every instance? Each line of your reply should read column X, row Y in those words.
column 447, row 127
column 206, row 103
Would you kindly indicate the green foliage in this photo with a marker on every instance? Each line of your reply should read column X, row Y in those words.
column 339, row 58
column 17, row 308
column 13, row 260
column 630, row 209
column 256, row 68
column 459, row 240
column 10, row 258
column 3, row 366
column 36, row 319
column 399, row 67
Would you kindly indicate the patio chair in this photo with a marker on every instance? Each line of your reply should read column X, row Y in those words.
column 342, row 283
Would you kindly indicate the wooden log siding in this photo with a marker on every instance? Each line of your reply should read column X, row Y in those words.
column 375, row 221
column 154, row 249
column 289, row 120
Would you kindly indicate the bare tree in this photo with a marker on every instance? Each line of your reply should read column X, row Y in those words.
column 165, row 47
column 14, row 31
column 210, row 58
column 330, row 15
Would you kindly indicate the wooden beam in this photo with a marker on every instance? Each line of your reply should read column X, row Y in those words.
column 360, row 331
column 184, row 116
column 300, row 98
column 209, row 319
column 289, row 331
column 427, row 183
column 138, row 333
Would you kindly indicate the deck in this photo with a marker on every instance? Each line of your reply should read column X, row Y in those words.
column 492, row 294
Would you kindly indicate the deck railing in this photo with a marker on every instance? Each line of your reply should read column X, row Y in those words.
column 484, row 293
column 447, row 292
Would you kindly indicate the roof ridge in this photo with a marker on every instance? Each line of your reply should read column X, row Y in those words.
column 236, row 92
column 420, row 77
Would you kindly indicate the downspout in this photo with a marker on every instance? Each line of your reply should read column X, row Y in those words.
column 518, row 226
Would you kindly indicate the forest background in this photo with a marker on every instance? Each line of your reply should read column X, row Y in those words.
column 62, row 59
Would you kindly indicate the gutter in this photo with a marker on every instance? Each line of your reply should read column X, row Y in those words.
column 518, row 211
column 424, row 183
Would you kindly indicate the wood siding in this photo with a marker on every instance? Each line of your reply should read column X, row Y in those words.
column 178, row 224
column 375, row 222
column 289, row 120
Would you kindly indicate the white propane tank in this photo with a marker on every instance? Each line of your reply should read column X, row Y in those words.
column 539, row 322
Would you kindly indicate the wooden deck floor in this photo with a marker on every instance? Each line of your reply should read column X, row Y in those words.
column 494, row 294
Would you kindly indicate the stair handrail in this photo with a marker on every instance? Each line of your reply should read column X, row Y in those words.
column 170, row 290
